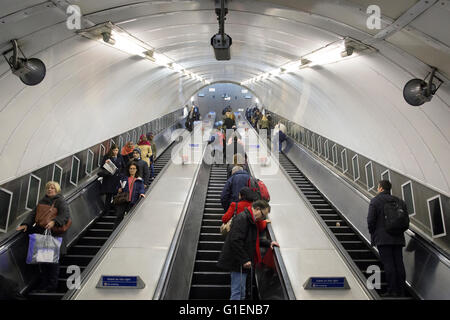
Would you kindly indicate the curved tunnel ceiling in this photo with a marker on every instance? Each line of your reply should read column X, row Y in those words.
column 357, row 102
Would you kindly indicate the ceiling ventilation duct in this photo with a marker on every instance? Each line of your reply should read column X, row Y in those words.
column 30, row 71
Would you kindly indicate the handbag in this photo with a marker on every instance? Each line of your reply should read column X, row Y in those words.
column 226, row 227
column 43, row 248
column 121, row 198
column 46, row 213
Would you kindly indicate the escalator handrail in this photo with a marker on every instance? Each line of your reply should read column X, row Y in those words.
column 106, row 246
column 279, row 262
column 175, row 243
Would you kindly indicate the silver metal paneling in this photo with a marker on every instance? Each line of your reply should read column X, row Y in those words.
column 428, row 272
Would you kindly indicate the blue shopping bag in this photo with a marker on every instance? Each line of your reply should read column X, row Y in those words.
column 43, row 248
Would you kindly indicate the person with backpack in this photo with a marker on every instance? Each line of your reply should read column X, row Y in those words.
column 387, row 221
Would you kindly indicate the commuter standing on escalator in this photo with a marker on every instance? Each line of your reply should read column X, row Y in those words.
column 142, row 166
column 241, row 250
column 146, row 149
column 133, row 184
column 127, row 151
column 110, row 181
column 153, row 157
column 35, row 223
column 230, row 192
column 390, row 245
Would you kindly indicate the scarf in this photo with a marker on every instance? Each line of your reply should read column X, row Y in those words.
column 258, row 258
column 127, row 150
column 142, row 142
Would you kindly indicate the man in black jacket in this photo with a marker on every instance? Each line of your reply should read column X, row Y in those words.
column 142, row 166
column 389, row 246
column 241, row 248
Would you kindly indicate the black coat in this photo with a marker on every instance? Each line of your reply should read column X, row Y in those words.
column 375, row 221
column 229, row 123
column 240, row 243
column 60, row 220
column 110, row 182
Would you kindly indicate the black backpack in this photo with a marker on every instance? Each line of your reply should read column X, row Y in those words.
column 396, row 220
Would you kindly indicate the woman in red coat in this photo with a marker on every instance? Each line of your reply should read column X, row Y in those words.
column 246, row 198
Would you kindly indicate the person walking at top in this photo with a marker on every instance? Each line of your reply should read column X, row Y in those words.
column 109, row 182
column 241, row 250
column 229, row 122
column 389, row 245
column 49, row 272
column 230, row 192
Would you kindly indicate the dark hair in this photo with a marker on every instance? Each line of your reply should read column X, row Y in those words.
column 261, row 205
column 110, row 153
column 132, row 163
column 248, row 194
column 386, row 185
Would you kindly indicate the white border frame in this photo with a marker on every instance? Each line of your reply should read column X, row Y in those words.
column 319, row 145
column 100, row 154
column 87, row 163
column 442, row 217
column 334, row 155
column 389, row 174
column 367, row 178
column 326, row 148
column 120, row 143
column 412, row 194
column 71, row 171
column 353, row 168
column 313, row 142
column 28, row 191
column 346, row 160
column 53, row 173
column 9, row 208
column 308, row 139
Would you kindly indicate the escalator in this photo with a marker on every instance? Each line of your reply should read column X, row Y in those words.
column 359, row 251
column 85, row 248
column 208, row 281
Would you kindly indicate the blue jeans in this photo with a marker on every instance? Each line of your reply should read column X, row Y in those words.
column 238, row 283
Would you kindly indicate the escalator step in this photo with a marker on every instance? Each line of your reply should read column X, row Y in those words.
column 210, row 291
column 99, row 241
column 210, row 245
column 214, row 222
column 79, row 260
column 84, row 250
column 210, row 229
column 220, row 278
column 208, row 254
column 211, row 237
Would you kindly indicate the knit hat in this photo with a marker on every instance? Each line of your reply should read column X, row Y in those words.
column 137, row 150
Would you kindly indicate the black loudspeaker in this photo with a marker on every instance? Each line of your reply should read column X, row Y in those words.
column 417, row 91
column 30, row 71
